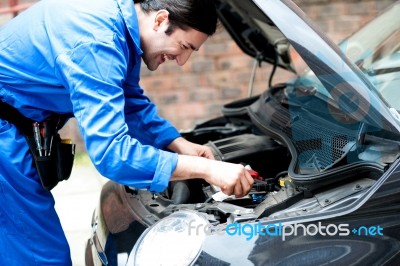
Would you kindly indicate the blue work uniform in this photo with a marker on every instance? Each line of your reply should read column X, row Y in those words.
column 63, row 56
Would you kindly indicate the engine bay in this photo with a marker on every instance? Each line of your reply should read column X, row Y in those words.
column 300, row 163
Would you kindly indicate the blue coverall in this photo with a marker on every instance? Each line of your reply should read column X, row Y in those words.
column 80, row 56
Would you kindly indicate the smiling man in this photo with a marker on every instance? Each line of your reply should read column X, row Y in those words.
column 83, row 58
column 165, row 41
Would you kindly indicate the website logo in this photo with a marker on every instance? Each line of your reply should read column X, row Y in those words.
column 251, row 230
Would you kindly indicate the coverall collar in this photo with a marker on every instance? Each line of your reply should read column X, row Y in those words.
column 131, row 21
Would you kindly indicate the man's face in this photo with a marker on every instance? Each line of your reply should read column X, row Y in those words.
column 158, row 46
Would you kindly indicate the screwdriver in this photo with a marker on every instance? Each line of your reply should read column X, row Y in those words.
column 36, row 135
column 49, row 127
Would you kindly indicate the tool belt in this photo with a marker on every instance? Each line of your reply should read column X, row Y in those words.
column 53, row 156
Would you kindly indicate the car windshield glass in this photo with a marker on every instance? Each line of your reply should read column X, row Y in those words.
column 375, row 50
column 350, row 78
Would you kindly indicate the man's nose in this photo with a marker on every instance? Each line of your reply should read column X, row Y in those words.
column 182, row 58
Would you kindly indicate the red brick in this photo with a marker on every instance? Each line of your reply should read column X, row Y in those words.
column 233, row 62
column 202, row 94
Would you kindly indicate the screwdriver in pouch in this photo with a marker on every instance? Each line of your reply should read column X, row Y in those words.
column 37, row 137
column 49, row 127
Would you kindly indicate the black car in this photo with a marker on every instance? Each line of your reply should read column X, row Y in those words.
column 323, row 150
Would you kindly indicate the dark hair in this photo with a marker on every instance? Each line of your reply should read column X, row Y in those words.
column 200, row 15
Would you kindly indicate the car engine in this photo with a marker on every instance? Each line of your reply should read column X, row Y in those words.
column 294, row 153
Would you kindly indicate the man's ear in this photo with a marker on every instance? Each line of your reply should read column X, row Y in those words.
column 160, row 19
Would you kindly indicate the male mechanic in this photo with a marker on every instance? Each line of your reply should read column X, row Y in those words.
column 83, row 57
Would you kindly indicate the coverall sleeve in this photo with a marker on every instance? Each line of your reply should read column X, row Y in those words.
column 95, row 73
column 142, row 118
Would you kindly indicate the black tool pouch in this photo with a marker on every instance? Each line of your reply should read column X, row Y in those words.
column 54, row 162
column 57, row 166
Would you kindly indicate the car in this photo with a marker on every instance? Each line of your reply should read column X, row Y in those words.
column 323, row 149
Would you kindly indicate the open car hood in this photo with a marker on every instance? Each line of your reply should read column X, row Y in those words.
column 264, row 42
column 265, row 29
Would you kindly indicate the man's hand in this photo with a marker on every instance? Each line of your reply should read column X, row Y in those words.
column 231, row 178
column 182, row 146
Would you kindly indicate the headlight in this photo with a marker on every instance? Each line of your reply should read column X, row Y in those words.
column 174, row 240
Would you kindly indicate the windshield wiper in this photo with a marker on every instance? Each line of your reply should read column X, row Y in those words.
column 381, row 71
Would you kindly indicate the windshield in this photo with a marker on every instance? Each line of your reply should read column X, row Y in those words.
column 350, row 88
column 375, row 49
